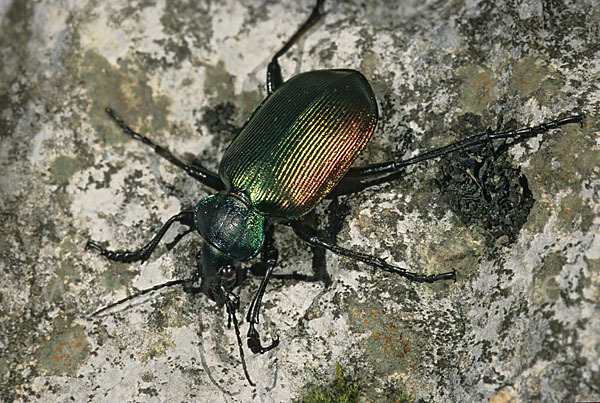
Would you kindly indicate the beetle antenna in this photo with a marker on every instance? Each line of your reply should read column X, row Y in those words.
column 232, row 318
column 140, row 293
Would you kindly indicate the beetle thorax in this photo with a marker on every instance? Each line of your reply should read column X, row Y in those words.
column 228, row 223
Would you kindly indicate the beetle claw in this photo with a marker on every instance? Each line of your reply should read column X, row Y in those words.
column 254, row 342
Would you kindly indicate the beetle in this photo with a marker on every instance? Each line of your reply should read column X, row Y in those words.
column 295, row 150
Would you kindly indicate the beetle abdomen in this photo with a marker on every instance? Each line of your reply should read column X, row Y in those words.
column 301, row 141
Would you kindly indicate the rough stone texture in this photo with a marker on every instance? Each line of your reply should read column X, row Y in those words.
column 522, row 322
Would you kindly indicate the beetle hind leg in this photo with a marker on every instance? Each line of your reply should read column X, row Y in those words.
column 274, row 78
column 310, row 236
column 359, row 178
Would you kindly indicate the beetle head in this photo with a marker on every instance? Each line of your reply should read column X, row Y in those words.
column 233, row 232
column 219, row 273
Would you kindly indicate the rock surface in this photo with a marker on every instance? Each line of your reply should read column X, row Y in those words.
column 522, row 322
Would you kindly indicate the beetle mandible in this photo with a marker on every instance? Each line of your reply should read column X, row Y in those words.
column 295, row 150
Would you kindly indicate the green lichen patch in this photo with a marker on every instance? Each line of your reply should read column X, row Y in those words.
column 124, row 88
column 459, row 248
column 479, row 88
column 546, row 287
column 116, row 276
column 66, row 350
column 387, row 355
column 218, row 83
column 157, row 348
column 532, row 77
column 570, row 157
column 63, row 168
column 386, row 344
column 574, row 214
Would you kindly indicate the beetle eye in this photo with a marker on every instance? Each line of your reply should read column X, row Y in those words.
column 227, row 273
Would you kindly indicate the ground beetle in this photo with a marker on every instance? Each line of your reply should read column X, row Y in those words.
column 294, row 150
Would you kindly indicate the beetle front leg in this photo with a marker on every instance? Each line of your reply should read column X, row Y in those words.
column 310, row 236
column 185, row 218
column 269, row 257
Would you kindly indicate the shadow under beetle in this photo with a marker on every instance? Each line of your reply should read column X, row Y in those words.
column 295, row 150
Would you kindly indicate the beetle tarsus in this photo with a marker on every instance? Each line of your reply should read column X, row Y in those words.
column 125, row 256
column 255, row 345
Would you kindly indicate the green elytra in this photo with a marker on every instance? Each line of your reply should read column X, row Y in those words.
column 300, row 142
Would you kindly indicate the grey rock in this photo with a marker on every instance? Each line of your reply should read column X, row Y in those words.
column 522, row 323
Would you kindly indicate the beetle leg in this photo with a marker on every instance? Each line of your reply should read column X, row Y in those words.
column 185, row 218
column 189, row 288
column 310, row 236
column 269, row 257
column 197, row 172
column 232, row 308
column 274, row 79
column 359, row 178
column 140, row 293
column 178, row 238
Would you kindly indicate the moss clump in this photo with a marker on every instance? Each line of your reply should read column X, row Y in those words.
column 340, row 390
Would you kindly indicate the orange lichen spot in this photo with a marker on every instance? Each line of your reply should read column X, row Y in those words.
column 373, row 311
column 388, row 339
column 376, row 336
column 406, row 349
column 539, row 180
column 567, row 211
column 366, row 320
column 58, row 349
column 391, row 329
column 405, row 342
column 56, row 358
column 397, row 340
column 78, row 345
column 400, row 354
column 63, row 343
column 570, row 165
column 521, row 73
